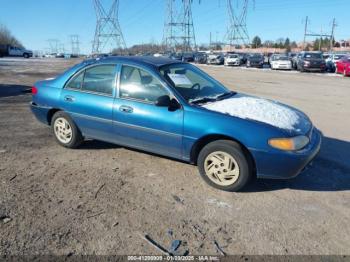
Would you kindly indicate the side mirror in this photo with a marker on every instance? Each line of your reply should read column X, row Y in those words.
column 163, row 101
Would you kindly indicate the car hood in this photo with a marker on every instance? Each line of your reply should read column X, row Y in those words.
column 290, row 120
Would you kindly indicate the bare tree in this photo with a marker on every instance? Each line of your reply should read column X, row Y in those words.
column 6, row 38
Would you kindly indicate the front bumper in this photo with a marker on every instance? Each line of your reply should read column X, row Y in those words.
column 233, row 63
column 41, row 113
column 283, row 164
column 282, row 66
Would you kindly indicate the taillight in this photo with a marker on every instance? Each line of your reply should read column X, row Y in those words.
column 34, row 90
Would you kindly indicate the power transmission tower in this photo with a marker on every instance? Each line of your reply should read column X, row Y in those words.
column 330, row 36
column 108, row 30
column 74, row 39
column 178, row 28
column 61, row 48
column 53, row 44
column 237, row 32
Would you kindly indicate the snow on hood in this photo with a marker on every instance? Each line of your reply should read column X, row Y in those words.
column 259, row 109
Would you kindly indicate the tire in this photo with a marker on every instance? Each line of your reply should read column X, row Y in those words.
column 300, row 69
column 61, row 123
column 225, row 149
column 25, row 55
column 344, row 73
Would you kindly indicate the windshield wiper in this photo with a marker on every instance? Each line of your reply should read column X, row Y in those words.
column 203, row 100
column 224, row 95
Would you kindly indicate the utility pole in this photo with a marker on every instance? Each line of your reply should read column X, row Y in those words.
column 237, row 32
column 108, row 30
column 74, row 39
column 332, row 34
column 178, row 27
column 210, row 40
column 305, row 30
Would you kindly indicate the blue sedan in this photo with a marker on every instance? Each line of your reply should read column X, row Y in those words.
column 176, row 110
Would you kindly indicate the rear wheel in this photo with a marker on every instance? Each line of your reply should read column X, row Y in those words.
column 224, row 165
column 66, row 132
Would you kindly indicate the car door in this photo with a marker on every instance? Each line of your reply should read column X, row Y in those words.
column 138, row 122
column 88, row 98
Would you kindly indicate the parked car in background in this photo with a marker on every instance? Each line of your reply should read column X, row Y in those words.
column 295, row 61
column 291, row 55
column 343, row 66
column 9, row 50
column 187, row 57
column 215, row 59
column 200, row 58
column 176, row 56
column 331, row 61
column 244, row 57
column 232, row 60
column 311, row 61
column 255, row 60
column 61, row 55
column 52, row 55
column 280, row 62
column 176, row 110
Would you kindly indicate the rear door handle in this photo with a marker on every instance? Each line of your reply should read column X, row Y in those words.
column 69, row 98
column 126, row 109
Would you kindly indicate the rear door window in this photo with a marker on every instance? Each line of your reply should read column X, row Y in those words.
column 100, row 79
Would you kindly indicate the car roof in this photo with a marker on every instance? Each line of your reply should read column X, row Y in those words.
column 141, row 60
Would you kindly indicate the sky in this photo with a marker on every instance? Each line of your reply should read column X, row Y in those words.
column 33, row 22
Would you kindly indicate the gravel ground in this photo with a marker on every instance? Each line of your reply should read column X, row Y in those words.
column 103, row 199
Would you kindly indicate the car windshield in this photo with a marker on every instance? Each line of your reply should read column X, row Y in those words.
column 337, row 57
column 193, row 84
column 232, row 56
column 313, row 55
column 281, row 58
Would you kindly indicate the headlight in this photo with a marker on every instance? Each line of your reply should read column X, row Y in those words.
column 289, row 144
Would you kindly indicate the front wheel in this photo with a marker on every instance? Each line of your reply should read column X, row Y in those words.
column 65, row 131
column 224, row 165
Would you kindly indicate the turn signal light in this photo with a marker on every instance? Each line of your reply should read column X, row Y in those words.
column 289, row 144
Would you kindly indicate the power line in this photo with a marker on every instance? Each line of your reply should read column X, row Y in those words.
column 108, row 30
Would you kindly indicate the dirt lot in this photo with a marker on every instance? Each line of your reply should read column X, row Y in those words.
column 103, row 199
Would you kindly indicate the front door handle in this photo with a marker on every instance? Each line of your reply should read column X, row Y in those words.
column 126, row 109
column 69, row 98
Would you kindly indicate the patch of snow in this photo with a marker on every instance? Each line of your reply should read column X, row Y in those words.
column 218, row 203
column 259, row 109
